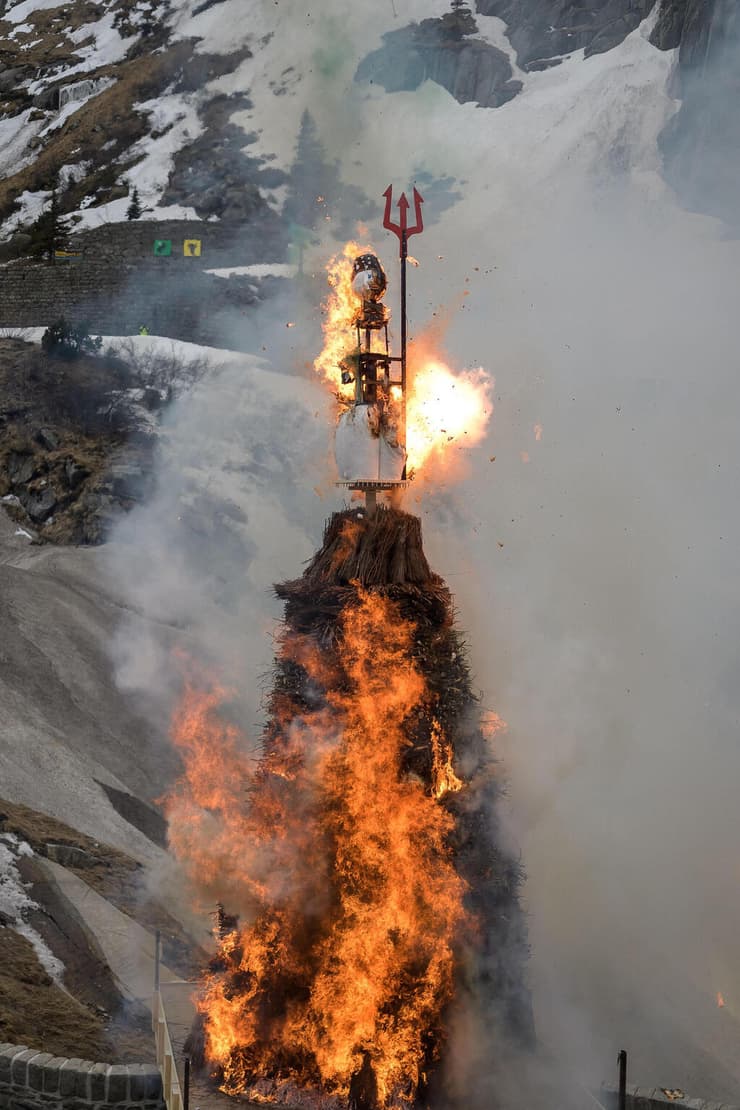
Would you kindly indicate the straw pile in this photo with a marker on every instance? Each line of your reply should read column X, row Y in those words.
column 382, row 554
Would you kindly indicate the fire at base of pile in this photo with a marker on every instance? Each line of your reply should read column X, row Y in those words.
column 360, row 850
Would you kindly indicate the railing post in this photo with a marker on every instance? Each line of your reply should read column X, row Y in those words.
column 622, row 1097
column 157, row 942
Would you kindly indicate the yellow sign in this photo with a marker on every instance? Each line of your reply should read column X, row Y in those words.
column 191, row 248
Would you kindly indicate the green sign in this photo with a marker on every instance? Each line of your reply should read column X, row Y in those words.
column 163, row 248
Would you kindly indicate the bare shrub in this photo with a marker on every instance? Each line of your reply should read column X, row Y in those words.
column 156, row 368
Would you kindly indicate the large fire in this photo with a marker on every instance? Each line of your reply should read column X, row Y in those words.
column 446, row 409
column 354, row 860
column 342, row 861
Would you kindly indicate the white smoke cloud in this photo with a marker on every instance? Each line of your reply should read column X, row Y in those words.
column 597, row 580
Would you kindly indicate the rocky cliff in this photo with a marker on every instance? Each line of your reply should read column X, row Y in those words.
column 701, row 145
column 447, row 51
column 542, row 30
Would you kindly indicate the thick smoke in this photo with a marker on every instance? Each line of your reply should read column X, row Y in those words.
column 593, row 562
column 701, row 145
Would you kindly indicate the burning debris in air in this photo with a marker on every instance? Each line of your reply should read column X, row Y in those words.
column 366, row 888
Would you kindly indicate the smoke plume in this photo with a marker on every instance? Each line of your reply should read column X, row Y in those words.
column 591, row 549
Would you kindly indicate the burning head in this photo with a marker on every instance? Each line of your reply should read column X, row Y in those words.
column 368, row 278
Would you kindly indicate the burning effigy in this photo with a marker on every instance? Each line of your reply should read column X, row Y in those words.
column 367, row 890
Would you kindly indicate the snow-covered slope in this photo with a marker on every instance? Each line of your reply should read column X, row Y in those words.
column 593, row 561
column 155, row 69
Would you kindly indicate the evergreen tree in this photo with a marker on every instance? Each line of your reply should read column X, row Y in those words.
column 133, row 211
column 314, row 181
column 47, row 232
column 316, row 190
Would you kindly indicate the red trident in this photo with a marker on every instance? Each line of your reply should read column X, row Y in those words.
column 403, row 231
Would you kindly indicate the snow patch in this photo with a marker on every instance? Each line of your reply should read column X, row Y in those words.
column 19, row 12
column 493, row 31
column 15, row 902
column 16, row 133
column 174, row 120
column 32, row 205
column 258, row 270
column 106, row 48
column 108, row 45
column 178, row 348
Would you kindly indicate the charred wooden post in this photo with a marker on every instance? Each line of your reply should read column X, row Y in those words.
column 225, row 922
column 195, row 1045
column 363, row 1087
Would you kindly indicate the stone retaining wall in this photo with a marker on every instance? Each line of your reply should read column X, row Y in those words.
column 133, row 241
column 117, row 284
column 183, row 303
column 31, row 1080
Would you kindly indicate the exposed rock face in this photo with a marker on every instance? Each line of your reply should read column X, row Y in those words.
column 442, row 50
column 541, row 30
column 66, row 470
column 701, row 145
column 685, row 23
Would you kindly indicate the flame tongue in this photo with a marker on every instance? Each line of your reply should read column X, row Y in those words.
column 340, row 312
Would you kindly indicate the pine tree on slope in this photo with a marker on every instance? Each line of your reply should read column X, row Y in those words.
column 133, row 212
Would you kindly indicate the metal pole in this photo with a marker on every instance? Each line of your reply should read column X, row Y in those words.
column 186, row 1086
column 157, row 941
column 404, row 254
column 622, row 1061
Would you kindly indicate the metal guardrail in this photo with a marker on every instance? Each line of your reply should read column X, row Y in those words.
column 171, row 1090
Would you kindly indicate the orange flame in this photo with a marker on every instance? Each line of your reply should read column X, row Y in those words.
column 340, row 310
column 444, row 409
column 720, row 999
column 444, row 779
column 357, row 908
column 205, row 810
